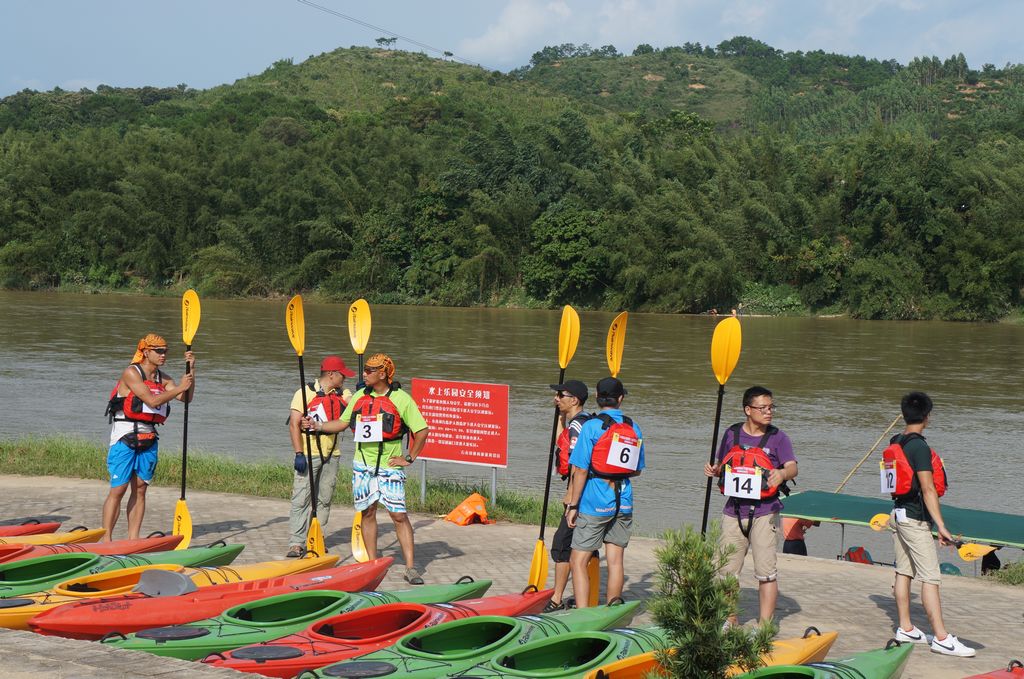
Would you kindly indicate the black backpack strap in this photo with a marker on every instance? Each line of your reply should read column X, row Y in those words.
column 767, row 435
column 735, row 429
column 606, row 420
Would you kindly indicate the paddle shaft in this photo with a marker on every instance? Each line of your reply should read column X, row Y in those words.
column 871, row 450
column 309, row 447
column 184, row 429
column 711, row 460
column 551, row 464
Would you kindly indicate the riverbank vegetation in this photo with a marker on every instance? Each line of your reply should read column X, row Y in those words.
column 678, row 179
column 75, row 458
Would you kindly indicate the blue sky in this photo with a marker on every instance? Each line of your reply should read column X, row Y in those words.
column 83, row 43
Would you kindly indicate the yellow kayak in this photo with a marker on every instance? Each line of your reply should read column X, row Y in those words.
column 67, row 538
column 16, row 612
column 811, row 647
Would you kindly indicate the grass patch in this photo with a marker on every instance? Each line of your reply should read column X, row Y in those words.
column 1010, row 574
column 70, row 457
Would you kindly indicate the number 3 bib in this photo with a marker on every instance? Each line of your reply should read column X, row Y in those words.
column 369, row 429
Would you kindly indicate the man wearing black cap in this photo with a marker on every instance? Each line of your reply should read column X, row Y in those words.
column 325, row 401
column 569, row 399
column 608, row 453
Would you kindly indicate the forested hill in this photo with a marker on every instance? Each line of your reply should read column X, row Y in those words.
column 674, row 180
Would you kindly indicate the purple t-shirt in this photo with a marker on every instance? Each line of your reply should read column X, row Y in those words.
column 779, row 450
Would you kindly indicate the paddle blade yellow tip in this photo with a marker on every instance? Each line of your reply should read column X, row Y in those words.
column 725, row 348
column 972, row 552
column 616, row 342
column 182, row 524
column 315, row 540
column 295, row 323
column 190, row 312
column 359, row 552
column 568, row 336
column 879, row 521
column 359, row 323
column 539, row 566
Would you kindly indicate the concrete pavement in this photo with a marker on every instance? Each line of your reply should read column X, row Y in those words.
column 853, row 599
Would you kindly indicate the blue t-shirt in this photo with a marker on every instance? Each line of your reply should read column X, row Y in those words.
column 598, row 497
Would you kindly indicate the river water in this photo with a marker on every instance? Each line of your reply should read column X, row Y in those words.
column 837, row 381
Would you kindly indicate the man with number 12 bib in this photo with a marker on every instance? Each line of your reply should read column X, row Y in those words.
column 609, row 451
column 755, row 460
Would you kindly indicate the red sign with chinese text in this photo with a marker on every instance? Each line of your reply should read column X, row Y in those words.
column 468, row 421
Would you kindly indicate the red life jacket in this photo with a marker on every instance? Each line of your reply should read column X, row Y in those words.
column 131, row 407
column 895, row 460
column 740, row 457
column 564, row 449
column 325, row 406
column 372, row 406
column 617, row 453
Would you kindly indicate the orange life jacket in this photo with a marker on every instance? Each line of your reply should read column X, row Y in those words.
column 894, row 461
column 617, row 453
column 132, row 408
column 368, row 407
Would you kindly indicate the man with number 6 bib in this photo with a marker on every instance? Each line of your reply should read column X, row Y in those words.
column 755, row 460
column 609, row 451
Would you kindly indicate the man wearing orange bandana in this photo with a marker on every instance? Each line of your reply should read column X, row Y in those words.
column 140, row 401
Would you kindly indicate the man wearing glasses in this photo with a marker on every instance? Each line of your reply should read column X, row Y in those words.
column 325, row 400
column 569, row 399
column 379, row 416
column 139, row 401
column 755, row 460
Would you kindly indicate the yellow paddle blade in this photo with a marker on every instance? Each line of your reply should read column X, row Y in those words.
column 189, row 316
column 359, row 325
column 295, row 322
column 539, row 565
column 359, row 552
column 568, row 336
column 615, row 343
column 182, row 524
column 970, row 551
column 725, row 348
column 315, row 540
column 879, row 521
column 594, row 573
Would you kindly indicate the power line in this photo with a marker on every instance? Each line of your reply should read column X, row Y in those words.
column 385, row 31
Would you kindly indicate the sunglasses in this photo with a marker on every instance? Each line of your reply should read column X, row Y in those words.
column 160, row 350
column 370, row 370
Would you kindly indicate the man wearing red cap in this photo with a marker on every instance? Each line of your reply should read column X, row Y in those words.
column 326, row 399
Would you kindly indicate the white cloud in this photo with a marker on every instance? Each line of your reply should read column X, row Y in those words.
column 76, row 84
column 748, row 15
column 522, row 23
column 636, row 21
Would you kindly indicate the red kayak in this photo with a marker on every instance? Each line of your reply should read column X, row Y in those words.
column 34, row 528
column 1015, row 669
column 94, row 618
column 350, row 634
column 155, row 544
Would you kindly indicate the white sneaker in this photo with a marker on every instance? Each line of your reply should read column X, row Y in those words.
column 914, row 636
column 952, row 646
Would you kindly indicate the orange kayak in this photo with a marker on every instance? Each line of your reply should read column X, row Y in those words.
column 161, row 543
column 34, row 528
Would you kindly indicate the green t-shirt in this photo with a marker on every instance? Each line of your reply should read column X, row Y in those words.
column 919, row 455
column 411, row 418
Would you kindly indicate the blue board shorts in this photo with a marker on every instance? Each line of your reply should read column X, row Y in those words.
column 386, row 487
column 123, row 463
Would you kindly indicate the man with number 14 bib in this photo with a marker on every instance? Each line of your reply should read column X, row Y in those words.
column 755, row 460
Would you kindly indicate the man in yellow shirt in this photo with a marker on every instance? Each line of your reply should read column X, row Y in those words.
column 326, row 399
column 379, row 416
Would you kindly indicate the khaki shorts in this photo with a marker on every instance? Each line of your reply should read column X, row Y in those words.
column 763, row 542
column 593, row 531
column 916, row 556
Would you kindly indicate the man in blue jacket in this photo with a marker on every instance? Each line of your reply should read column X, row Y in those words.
column 609, row 451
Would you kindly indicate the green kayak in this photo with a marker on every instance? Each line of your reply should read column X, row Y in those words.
column 884, row 663
column 276, row 616
column 19, row 578
column 452, row 648
column 570, row 655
